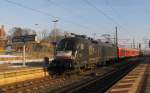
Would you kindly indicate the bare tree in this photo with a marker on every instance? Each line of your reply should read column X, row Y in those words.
column 29, row 31
column 18, row 31
column 43, row 35
column 56, row 34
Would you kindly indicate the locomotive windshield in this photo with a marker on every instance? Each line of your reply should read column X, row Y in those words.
column 67, row 44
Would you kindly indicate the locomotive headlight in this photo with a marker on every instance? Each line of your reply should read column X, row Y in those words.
column 68, row 53
column 64, row 54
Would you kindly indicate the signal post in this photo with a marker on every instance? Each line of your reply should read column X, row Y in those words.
column 24, row 39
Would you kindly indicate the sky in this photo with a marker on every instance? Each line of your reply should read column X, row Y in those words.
column 132, row 17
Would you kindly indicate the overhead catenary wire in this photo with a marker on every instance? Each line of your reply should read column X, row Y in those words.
column 64, row 8
column 103, row 13
column 29, row 8
column 56, row 4
column 113, row 10
column 46, row 14
column 111, row 7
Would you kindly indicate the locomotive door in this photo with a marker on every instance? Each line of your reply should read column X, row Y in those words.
column 102, row 55
column 85, row 54
column 82, row 57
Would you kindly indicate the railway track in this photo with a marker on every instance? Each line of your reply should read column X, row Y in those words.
column 99, row 84
column 38, row 85
column 75, row 84
column 41, row 85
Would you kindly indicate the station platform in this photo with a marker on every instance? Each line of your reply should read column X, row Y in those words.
column 10, row 67
column 146, row 82
column 16, row 73
column 136, row 81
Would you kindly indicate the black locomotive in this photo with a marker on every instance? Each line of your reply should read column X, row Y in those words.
column 79, row 52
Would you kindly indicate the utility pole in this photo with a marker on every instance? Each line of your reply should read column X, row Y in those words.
column 140, row 47
column 114, row 36
column 133, row 43
column 117, row 43
column 54, row 39
column 137, row 46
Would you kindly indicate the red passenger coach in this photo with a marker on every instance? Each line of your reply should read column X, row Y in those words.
column 128, row 52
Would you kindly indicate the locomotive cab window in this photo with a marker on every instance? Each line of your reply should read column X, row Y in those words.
column 67, row 45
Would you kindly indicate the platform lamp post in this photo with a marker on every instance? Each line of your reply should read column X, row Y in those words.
column 55, row 37
column 39, row 37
